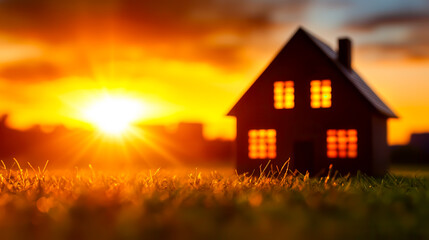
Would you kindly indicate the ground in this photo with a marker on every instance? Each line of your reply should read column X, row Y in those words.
column 209, row 204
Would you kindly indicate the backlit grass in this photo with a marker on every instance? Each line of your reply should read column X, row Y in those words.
column 187, row 204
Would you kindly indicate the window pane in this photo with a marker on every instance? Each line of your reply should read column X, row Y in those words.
column 341, row 143
column 284, row 95
column 321, row 94
column 262, row 144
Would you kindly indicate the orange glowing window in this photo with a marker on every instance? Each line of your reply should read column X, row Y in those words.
column 342, row 143
column 284, row 95
column 321, row 93
column 262, row 144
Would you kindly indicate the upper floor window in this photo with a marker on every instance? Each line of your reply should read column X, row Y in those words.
column 342, row 143
column 321, row 93
column 262, row 144
column 284, row 95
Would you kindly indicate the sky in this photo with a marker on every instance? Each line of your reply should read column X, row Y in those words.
column 191, row 60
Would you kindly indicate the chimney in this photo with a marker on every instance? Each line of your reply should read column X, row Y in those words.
column 345, row 52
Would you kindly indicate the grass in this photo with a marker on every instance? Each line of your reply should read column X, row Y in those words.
column 410, row 170
column 161, row 204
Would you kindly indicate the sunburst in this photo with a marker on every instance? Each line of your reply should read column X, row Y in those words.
column 114, row 115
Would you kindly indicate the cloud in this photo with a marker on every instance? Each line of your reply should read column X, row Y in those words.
column 30, row 71
column 401, row 32
column 186, row 29
column 416, row 18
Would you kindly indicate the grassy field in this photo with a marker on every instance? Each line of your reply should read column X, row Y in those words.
column 188, row 204
column 410, row 170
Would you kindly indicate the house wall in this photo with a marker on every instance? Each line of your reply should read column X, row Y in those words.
column 302, row 62
column 380, row 150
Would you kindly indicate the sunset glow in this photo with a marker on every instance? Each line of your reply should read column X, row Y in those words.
column 183, row 60
column 181, row 119
column 113, row 115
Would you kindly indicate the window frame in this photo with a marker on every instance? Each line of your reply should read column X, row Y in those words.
column 262, row 144
column 336, row 138
column 284, row 94
column 317, row 97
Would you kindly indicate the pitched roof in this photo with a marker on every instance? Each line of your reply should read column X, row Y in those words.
column 351, row 75
column 354, row 78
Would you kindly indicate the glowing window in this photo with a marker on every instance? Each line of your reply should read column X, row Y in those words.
column 342, row 143
column 321, row 93
column 284, row 95
column 262, row 144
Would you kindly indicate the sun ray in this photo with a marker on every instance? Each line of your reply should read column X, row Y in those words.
column 155, row 143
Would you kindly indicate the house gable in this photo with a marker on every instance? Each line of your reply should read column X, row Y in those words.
column 296, row 57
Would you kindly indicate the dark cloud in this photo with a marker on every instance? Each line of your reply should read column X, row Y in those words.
column 185, row 29
column 412, row 24
column 412, row 19
column 416, row 45
column 30, row 71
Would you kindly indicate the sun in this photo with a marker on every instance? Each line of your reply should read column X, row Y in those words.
column 114, row 115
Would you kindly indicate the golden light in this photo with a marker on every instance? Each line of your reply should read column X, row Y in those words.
column 114, row 115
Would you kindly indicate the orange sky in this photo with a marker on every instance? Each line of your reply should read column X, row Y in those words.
column 192, row 60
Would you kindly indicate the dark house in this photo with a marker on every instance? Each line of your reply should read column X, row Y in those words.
column 309, row 105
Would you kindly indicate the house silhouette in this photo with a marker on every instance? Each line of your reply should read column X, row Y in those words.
column 309, row 105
